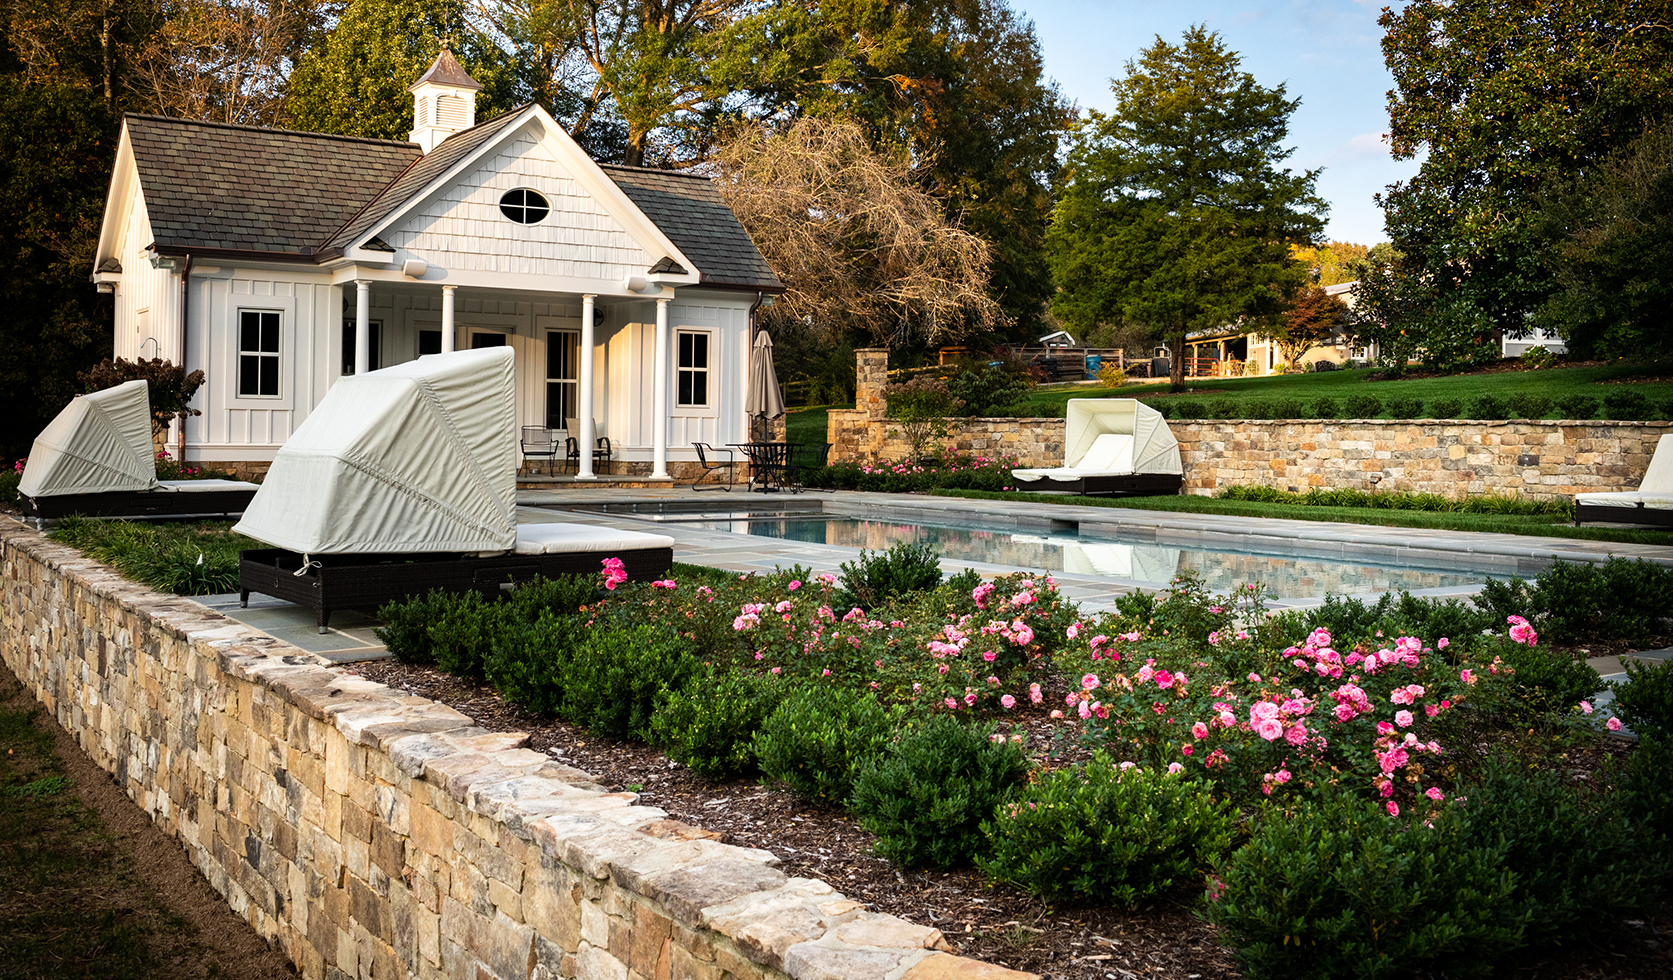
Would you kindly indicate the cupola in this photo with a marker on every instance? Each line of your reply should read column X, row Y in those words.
column 443, row 101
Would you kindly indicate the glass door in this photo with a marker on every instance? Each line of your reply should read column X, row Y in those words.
column 563, row 360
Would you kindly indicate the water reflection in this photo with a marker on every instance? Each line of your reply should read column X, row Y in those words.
column 1149, row 563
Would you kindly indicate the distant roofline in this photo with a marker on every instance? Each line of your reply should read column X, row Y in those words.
column 656, row 170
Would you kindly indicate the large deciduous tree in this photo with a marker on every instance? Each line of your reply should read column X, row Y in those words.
column 1507, row 98
column 1313, row 320
column 1176, row 212
column 224, row 60
column 355, row 82
column 1613, row 264
column 857, row 245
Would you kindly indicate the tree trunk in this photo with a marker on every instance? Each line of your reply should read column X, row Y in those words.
column 1176, row 365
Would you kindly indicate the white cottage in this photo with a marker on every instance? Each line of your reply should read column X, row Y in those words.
column 279, row 261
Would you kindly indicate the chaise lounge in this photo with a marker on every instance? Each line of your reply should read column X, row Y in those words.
column 1111, row 447
column 95, row 458
column 404, row 480
column 1651, row 503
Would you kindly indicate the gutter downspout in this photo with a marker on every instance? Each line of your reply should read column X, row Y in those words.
column 185, row 300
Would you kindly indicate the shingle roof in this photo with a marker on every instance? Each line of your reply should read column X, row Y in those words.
column 213, row 185
column 690, row 212
column 446, row 70
column 435, row 163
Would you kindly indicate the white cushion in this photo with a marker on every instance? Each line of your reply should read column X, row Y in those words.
column 547, row 539
column 204, row 486
column 1650, row 501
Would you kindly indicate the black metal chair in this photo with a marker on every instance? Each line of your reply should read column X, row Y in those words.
column 703, row 451
column 602, row 453
column 803, row 459
column 537, row 442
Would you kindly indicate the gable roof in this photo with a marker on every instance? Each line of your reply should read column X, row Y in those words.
column 309, row 196
column 243, row 188
column 413, row 181
column 689, row 210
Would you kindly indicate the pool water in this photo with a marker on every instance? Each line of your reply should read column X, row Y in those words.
column 1104, row 555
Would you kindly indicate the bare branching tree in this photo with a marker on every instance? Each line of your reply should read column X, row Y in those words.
column 854, row 240
column 223, row 60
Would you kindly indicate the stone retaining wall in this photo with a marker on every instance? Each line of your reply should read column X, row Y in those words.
column 1539, row 460
column 372, row 834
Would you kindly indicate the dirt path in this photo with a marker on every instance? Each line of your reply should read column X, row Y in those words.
column 89, row 887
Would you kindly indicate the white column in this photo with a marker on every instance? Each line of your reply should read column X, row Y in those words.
column 362, row 326
column 447, row 319
column 659, row 398
column 584, row 398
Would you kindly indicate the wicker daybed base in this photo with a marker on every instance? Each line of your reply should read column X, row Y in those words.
column 138, row 503
column 1126, row 485
column 369, row 581
column 1658, row 516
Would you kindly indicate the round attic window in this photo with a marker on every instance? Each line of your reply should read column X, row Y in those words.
column 524, row 206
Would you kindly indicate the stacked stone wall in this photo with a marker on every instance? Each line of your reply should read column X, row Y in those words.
column 1539, row 460
column 371, row 834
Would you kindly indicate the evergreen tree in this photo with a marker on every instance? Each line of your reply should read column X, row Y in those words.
column 355, row 83
column 1175, row 212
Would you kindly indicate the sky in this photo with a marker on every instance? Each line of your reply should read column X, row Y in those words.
column 1326, row 52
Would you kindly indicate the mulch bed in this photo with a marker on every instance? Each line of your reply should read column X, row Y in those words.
column 980, row 919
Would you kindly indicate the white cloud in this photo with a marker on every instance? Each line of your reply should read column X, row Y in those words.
column 1365, row 146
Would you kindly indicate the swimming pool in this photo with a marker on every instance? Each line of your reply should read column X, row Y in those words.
column 1068, row 548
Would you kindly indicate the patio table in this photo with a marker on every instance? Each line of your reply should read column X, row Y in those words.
column 767, row 462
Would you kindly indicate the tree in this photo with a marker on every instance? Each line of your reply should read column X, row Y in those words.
column 169, row 387
column 1613, row 264
column 1175, row 212
column 855, row 243
column 1313, row 321
column 224, row 60
column 1508, row 100
column 1332, row 264
column 355, row 82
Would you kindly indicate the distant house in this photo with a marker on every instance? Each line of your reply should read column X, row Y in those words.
column 278, row 261
column 1233, row 352
column 1516, row 347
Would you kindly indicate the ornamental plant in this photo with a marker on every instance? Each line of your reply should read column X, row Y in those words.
column 1107, row 833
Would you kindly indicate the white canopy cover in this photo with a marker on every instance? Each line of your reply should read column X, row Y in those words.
column 1089, row 450
column 99, row 443
column 419, row 457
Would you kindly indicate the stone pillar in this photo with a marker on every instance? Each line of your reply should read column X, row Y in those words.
column 871, row 374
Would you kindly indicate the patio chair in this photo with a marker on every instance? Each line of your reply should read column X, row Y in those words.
column 602, row 450
column 703, row 451
column 1112, row 447
column 538, row 442
column 1651, row 503
column 804, row 459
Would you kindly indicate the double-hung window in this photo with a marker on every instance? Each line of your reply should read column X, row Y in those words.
column 693, row 380
column 258, row 353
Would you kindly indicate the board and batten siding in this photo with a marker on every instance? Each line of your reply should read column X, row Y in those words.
column 463, row 229
column 148, row 298
column 234, row 427
column 630, row 363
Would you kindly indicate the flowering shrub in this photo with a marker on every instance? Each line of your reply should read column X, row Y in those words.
column 1107, row 833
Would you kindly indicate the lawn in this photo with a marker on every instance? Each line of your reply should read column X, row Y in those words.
column 1654, row 382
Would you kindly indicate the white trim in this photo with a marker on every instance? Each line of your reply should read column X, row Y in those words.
column 711, row 406
column 285, row 306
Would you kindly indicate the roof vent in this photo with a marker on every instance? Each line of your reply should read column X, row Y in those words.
column 443, row 101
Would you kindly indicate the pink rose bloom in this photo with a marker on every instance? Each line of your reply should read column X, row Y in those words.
column 1021, row 634
column 1434, row 793
column 1400, row 696
column 1227, row 719
column 1345, row 713
column 1254, row 678
column 1442, row 643
column 794, row 584
column 1187, row 749
column 1055, row 713
column 1034, row 694
column 1164, row 679
column 1199, row 730
column 1270, row 729
column 1613, row 724
column 970, row 699
column 1431, row 710
column 1384, row 728
column 1085, row 711
column 1296, row 734
column 1090, row 682
column 1467, row 676
column 1403, row 719
column 1073, row 630
column 1008, row 701
column 1174, row 767
column 1585, row 707
column 1393, row 808
column 783, row 606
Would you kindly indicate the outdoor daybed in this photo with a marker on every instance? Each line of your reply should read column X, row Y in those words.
column 1651, row 503
column 404, row 480
column 1112, row 447
column 96, row 458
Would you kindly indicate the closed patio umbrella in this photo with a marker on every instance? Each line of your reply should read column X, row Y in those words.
column 763, row 400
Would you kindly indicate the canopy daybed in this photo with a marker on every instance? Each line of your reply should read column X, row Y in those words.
column 1111, row 447
column 96, row 458
column 404, row 480
column 1651, row 503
